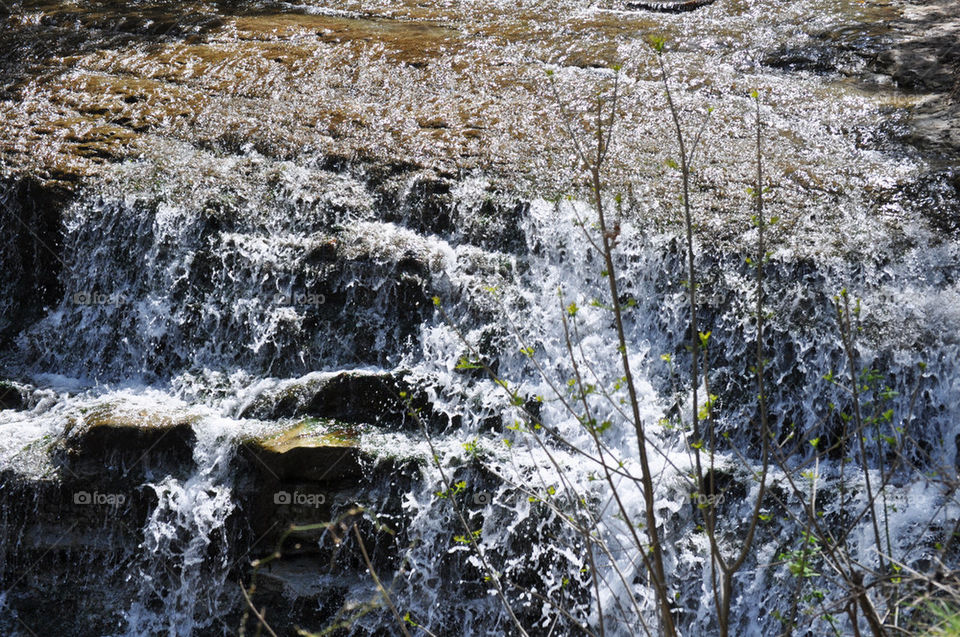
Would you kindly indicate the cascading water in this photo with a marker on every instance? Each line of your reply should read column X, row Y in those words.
column 210, row 296
column 803, row 348
column 184, row 556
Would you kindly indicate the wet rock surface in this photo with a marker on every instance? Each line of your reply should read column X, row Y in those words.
column 84, row 525
column 304, row 454
column 239, row 76
column 924, row 61
column 354, row 397
column 32, row 256
column 112, row 445
column 250, row 192
column 10, row 396
column 365, row 90
column 925, row 57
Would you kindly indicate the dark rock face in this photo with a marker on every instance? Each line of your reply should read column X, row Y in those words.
column 65, row 556
column 299, row 494
column 358, row 397
column 75, row 538
column 11, row 397
column 354, row 397
column 844, row 49
column 813, row 59
column 126, row 451
column 424, row 202
column 308, row 461
column 31, row 252
column 936, row 197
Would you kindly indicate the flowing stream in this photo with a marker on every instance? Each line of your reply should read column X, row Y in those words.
column 198, row 282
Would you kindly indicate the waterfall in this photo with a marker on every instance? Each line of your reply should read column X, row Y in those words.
column 180, row 584
column 165, row 319
column 296, row 354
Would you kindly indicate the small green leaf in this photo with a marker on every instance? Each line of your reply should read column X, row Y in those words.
column 464, row 363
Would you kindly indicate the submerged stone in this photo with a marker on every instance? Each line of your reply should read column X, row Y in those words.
column 670, row 6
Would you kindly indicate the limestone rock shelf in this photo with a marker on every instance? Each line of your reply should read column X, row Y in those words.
column 87, row 521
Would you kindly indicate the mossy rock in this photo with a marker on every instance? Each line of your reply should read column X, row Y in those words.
column 312, row 450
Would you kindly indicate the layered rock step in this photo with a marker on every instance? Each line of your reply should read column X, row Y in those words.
column 125, row 474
